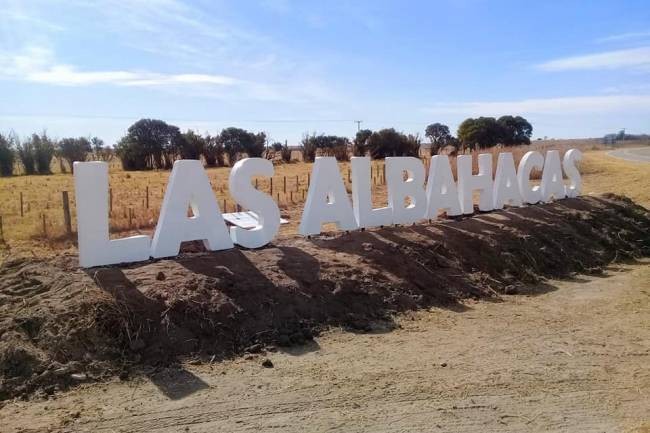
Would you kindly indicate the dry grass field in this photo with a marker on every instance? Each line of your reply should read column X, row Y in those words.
column 136, row 196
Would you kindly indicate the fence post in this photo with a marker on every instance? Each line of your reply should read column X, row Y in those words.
column 285, row 184
column 297, row 184
column 66, row 214
column 21, row 204
column 225, row 208
column 110, row 200
column 2, row 232
column 147, row 198
column 44, row 226
column 271, row 186
column 256, row 183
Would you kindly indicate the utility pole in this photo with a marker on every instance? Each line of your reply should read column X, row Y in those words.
column 358, row 122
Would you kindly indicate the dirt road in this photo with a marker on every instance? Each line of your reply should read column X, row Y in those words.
column 640, row 154
column 573, row 356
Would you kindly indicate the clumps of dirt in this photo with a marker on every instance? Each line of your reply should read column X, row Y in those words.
column 60, row 325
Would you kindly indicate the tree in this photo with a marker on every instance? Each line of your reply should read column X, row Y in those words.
column 191, row 145
column 257, row 145
column 388, row 142
column 26, row 155
column 7, row 155
column 43, row 150
column 73, row 149
column 439, row 136
column 149, row 144
column 480, row 133
column 100, row 152
column 213, row 151
column 235, row 142
column 327, row 145
column 515, row 129
column 285, row 153
column 308, row 147
column 360, row 143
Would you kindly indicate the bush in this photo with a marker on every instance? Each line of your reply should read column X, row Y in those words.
column 485, row 132
column 326, row 145
column 191, row 145
column 308, row 147
column 36, row 154
column 73, row 149
column 26, row 155
column 285, row 153
column 100, row 153
column 360, row 144
column 388, row 142
column 237, row 141
column 439, row 136
column 7, row 155
column 149, row 144
column 213, row 152
column 44, row 149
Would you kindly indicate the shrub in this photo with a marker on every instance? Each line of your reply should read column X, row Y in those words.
column 360, row 144
column 7, row 155
column 285, row 153
column 326, row 145
column 388, row 142
column 191, row 145
column 26, row 155
column 36, row 153
column 149, row 144
column 439, row 136
column 213, row 152
column 73, row 149
column 237, row 141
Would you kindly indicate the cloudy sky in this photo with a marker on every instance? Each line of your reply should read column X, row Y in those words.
column 80, row 67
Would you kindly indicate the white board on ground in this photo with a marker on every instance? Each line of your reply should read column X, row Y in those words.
column 246, row 219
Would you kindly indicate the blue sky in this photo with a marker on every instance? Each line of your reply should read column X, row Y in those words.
column 80, row 67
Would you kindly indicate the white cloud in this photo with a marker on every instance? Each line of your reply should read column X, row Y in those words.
column 624, row 37
column 634, row 59
column 553, row 106
column 37, row 65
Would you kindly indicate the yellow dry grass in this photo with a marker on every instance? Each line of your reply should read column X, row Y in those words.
column 137, row 196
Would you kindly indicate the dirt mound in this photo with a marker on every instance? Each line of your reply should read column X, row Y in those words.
column 60, row 325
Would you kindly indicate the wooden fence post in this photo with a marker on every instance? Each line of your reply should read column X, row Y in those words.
column 285, row 184
column 110, row 200
column 2, row 232
column 147, row 198
column 225, row 207
column 66, row 213
column 44, row 226
column 271, row 186
column 21, row 204
column 256, row 183
column 297, row 184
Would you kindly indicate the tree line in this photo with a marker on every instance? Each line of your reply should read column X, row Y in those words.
column 36, row 152
column 154, row 144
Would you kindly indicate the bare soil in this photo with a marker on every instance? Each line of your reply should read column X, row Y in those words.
column 570, row 356
column 61, row 326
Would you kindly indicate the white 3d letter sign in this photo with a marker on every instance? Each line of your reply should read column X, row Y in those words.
column 409, row 200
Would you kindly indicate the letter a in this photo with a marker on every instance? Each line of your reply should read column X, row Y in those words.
column 189, row 186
